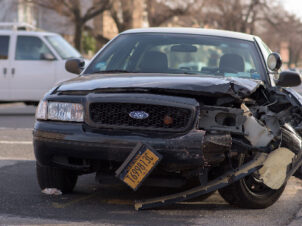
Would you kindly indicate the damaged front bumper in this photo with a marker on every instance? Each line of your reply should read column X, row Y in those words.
column 56, row 144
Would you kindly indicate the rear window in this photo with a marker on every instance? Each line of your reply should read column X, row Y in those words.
column 4, row 44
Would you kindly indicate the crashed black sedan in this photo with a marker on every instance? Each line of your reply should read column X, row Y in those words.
column 199, row 109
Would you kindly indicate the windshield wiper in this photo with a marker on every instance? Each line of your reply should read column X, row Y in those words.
column 191, row 73
column 113, row 71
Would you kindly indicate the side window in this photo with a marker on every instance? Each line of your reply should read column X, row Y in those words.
column 4, row 44
column 31, row 48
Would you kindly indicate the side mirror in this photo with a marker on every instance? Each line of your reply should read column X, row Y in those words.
column 274, row 61
column 288, row 79
column 47, row 56
column 75, row 65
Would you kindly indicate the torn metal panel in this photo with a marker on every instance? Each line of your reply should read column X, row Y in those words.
column 294, row 95
column 222, row 181
column 274, row 170
column 257, row 134
column 215, row 145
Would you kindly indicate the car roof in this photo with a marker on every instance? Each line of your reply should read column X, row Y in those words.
column 22, row 32
column 200, row 31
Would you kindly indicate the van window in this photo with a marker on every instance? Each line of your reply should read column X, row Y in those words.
column 4, row 44
column 30, row 48
column 63, row 48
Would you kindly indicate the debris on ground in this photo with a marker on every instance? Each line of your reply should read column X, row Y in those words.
column 51, row 191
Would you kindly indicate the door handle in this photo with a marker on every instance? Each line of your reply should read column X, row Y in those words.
column 4, row 71
column 13, row 72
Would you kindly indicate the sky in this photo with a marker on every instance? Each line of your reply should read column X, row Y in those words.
column 293, row 6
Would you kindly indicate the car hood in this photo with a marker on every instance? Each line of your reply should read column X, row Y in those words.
column 190, row 84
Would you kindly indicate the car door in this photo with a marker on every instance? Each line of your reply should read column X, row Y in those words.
column 33, row 71
column 5, row 89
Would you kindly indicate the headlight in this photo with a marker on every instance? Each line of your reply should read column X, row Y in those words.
column 65, row 112
column 60, row 111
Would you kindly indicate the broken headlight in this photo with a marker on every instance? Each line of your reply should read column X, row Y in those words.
column 60, row 111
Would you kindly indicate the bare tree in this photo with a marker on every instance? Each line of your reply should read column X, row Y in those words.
column 73, row 10
column 235, row 15
column 160, row 12
column 284, row 27
column 122, row 14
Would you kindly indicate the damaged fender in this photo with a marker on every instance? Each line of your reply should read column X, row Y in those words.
column 274, row 171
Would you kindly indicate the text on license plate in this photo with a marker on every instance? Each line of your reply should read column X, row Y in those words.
column 141, row 165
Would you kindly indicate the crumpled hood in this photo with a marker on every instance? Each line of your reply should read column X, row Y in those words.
column 191, row 84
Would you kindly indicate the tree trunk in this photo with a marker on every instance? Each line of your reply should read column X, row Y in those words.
column 78, row 34
column 290, row 59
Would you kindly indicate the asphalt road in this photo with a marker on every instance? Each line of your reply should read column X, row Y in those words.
column 21, row 201
column 16, row 116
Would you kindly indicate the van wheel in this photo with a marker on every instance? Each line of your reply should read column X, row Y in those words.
column 51, row 177
column 250, row 193
column 31, row 103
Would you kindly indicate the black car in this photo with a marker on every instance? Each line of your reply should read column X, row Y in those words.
column 198, row 109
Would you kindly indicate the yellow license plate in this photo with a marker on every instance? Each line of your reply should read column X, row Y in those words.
column 139, row 167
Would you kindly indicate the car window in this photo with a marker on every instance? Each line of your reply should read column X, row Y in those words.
column 63, row 48
column 264, row 48
column 180, row 54
column 30, row 48
column 4, row 44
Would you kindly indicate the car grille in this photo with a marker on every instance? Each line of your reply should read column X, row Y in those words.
column 159, row 117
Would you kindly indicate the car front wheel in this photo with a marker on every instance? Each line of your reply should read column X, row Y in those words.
column 250, row 193
column 51, row 177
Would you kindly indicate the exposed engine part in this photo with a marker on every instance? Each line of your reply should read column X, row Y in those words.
column 221, row 119
column 274, row 171
column 258, row 135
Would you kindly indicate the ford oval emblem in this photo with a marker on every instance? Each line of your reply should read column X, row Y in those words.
column 138, row 114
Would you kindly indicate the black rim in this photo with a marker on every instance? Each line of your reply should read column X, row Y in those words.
column 255, row 187
column 252, row 184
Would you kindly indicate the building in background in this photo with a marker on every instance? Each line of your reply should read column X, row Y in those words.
column 48, row 20
column 44, row 19
column 107, row 27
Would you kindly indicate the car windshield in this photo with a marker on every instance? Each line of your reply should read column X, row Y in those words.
column 63, row 48
column 171, row 53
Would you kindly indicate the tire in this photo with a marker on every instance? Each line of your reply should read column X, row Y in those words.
column 249, row 193
column 50, row 177
column 298, row 173
column 31, row 103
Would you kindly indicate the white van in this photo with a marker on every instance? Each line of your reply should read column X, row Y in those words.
column 31, row 62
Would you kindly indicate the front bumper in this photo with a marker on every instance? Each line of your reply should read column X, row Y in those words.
column 72, row 140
